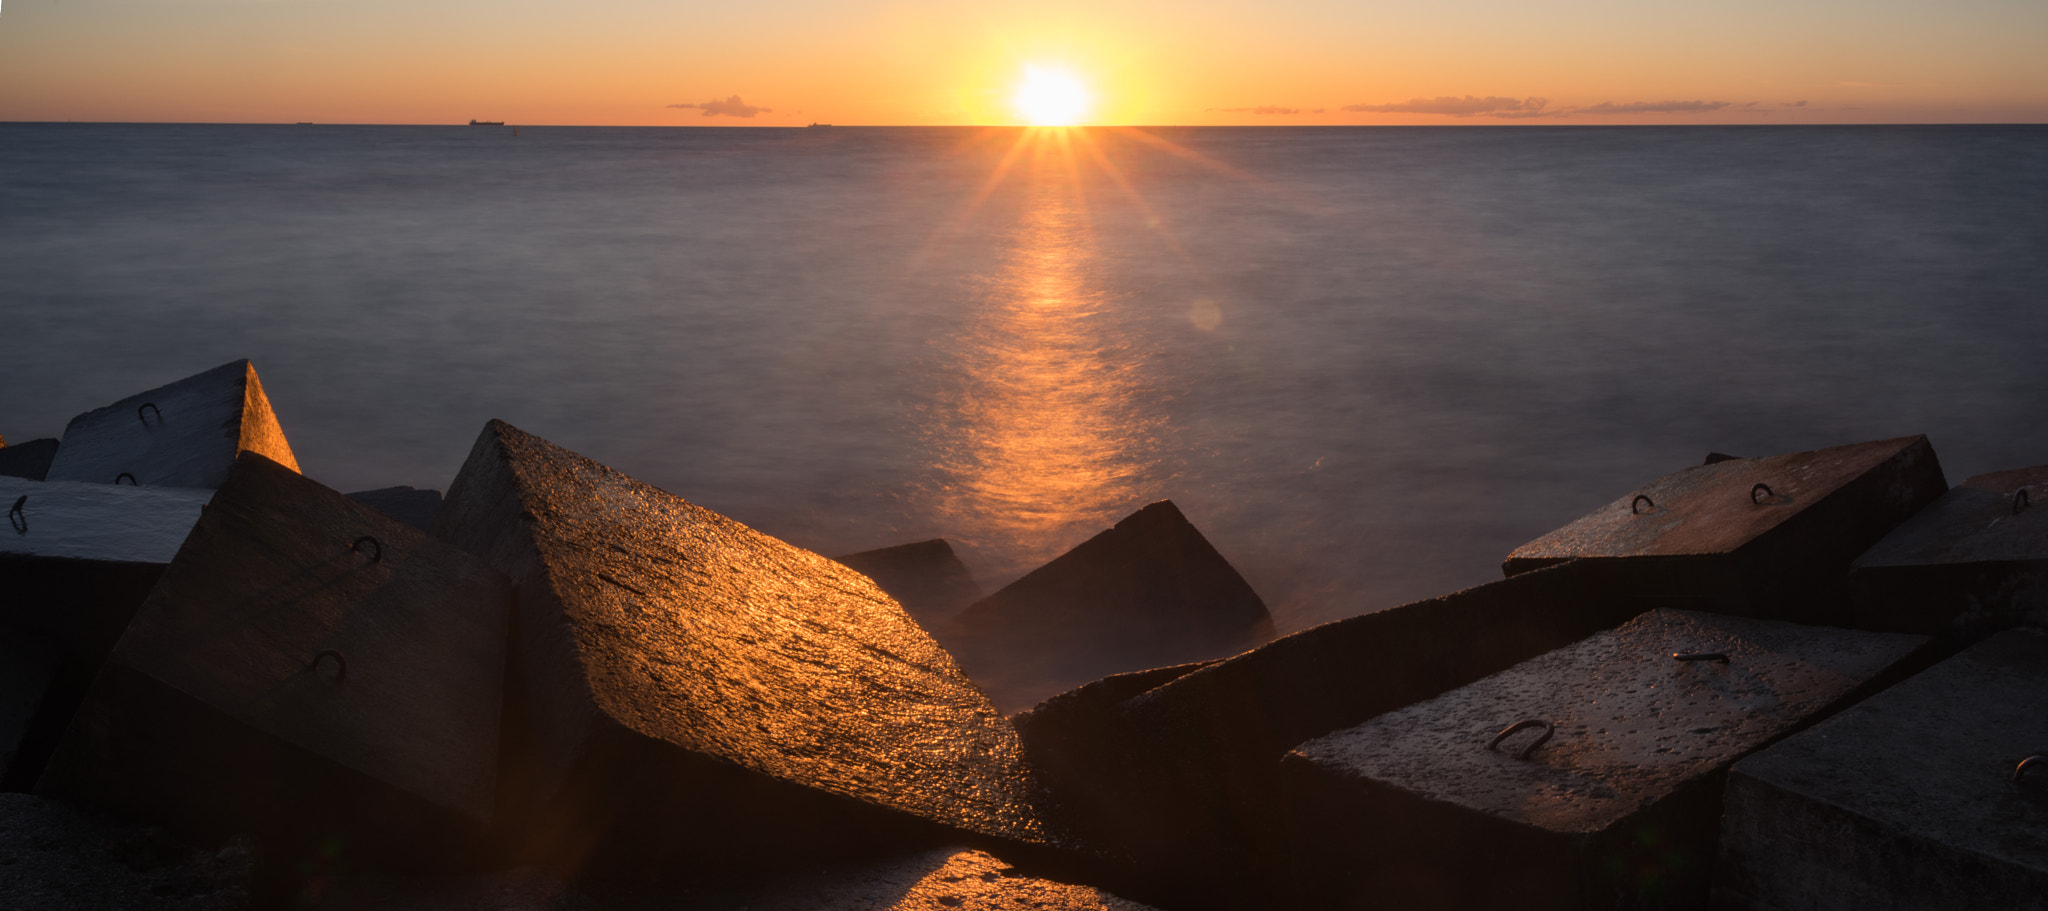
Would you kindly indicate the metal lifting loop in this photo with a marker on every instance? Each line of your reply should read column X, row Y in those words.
column 1642, row 499
column 340, row 663
column 16, row 517
column 2034, row 762
column 1763, row 488
column 2019, row 500
column 151, row 406
column 1523, row 725
column 130, row 477
column 1700, row 656
column 376, row 548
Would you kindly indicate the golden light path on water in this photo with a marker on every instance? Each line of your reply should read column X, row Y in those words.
column 1043, row 438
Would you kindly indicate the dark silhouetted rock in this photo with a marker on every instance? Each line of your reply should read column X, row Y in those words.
column 1713, row 457
column 672, row 664
column 29, row 460
column 1974, row 561
column 76, row 560
column 1904, row 801
column 413, row 507
column 1149, row 592
column 1713, row 538
column 28, row 668
column 53, row 856
column 307, row 670
column 1617, row 809
column 1181, row 777
column 926, row 578
column 185, row 434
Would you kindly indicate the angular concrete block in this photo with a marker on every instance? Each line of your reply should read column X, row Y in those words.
column 28, row 668
column 1149, row 592
column 30, row 460
column 1905, row 801
column 185, row 434
column 1767, row 537
column 926, row 578
column 1177, row 768
column 670, row 663
column 1609, row 800
column 308, row 670
column 1972, row 562
column 413, row 507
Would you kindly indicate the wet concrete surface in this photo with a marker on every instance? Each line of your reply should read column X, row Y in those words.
column 117, row 523
column 1904, row 801
column 1627, row 739
column 926, row 577
column 1972, row 562
column 183, row 434
column 1769, row 537
column 668, row 660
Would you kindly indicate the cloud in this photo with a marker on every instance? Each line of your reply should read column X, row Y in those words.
column 1793, row 104
column 1492, row 105
column 730, row 107
column 1655, row 107
column 1261, row 109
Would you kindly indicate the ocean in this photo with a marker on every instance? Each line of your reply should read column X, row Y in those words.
column 1366, row 362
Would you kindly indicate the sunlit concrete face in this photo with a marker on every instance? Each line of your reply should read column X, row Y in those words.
column 1043, row 437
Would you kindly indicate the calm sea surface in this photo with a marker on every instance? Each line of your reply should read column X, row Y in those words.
column 1366, row 362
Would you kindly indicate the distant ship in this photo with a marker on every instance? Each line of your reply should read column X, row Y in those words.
column 487, row 123
column 817, row 125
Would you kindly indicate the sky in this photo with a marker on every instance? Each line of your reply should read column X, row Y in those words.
column 946, row 62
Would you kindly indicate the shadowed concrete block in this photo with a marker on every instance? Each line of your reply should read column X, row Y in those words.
column 1904, row 801
column 413, row 507
column 671, row 663
column 76, row 560
column 29, row 460
column 1616, row 809
column 1972, row 562
column 926, row 578
column 1176, row 769
column 1768, row 537
column 185, row 434
column 28, row 667
column 309, row 670
column 1149, row 592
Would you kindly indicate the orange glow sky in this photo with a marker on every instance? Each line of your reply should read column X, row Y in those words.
column 630, row 62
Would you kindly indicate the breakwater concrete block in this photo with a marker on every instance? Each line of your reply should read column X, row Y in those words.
column 30, row 460
column 1148, row 592
column 76, row 561
column 1177, row 769
column 413, row 507
column 1905, row 801
column 1608, row 799
column 308, row 670
column 1768, row 537
column 670, row 663
column 185, row 434
column 1972, row 562
column 926, row 577
column 28, row 667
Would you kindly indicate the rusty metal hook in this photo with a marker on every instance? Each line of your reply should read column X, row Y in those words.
column 1643, row 499
column 340, row 663
column 2020, row 770
column 2019, row 500
column 377, row 548
column 151, row 406
column 1760, row 486
column 130, row 477
column 1523, row 725
column 16, row 517
column 1700, row 656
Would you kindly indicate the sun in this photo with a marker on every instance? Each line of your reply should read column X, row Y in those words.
column 1051, row 97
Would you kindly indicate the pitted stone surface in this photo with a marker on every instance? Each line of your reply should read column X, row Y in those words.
column 704, row 637
column 1905, row 800
column 98, row 521
column 1631, row 723
column 1707, row 509
column 189, row 439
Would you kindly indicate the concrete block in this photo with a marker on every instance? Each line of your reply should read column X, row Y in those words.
column 1767, row 537
column 670, row 663
column 28, row 668
column 1905, row 801
column 185, row 434
column 1149, row 592
column 413, row 507
column 1610, row 801
column 926, row 578
column 308, row 670
column 54, row 857
column 1179, row 772
column 1973, row 562
column 30, row 460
